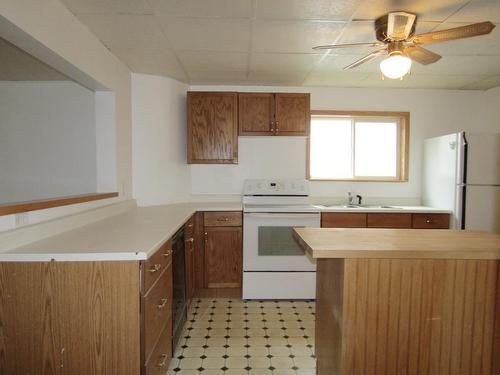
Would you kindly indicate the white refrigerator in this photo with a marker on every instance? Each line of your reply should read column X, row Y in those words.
column 461, row 173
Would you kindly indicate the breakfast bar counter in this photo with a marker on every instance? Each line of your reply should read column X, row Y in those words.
column 405, row 301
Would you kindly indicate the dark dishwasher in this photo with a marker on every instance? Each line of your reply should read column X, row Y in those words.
column 179, row 312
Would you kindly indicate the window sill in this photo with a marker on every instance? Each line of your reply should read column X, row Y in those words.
column 18, row 207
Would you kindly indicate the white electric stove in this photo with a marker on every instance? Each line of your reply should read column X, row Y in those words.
column 274, row 266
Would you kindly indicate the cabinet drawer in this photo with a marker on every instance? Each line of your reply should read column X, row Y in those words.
column 431, row 221
column 223, row 219
column 388, row 220
column 154, row 266
column 157, row 309
column 162, row 353
column 343, row 220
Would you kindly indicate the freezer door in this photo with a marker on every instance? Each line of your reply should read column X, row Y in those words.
column 482, row 208
column 483, row 159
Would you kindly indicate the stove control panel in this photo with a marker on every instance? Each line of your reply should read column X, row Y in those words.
column 286, row 187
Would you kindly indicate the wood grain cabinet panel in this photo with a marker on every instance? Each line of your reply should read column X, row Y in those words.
column 256, row 113
column 223, row 257
column 69, row 318
column 223, row 219
column 431, row 221
column 212, row 127
column 154, row 266
column 162, row 353
column 293, row 114
column 157, row 309
column 343, row 220
column 389, row 220
column 189, row 259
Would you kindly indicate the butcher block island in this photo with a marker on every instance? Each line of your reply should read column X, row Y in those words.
column 405, row 301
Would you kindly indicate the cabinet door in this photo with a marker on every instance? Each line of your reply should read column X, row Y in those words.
column 223, row 257
column 292, row 114
column 212, row 128
column 256, row 113
column 343, row 220
column 389, row 220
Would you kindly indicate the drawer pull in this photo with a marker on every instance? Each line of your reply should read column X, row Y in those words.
column 428, row 221
column 163, row 303
column 164, row 358
column 168, row 253
column 155, row 268
column 190, row 239
column 223, row 219
column 190, row 225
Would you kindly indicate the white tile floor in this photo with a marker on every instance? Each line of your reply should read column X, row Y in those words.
column 234, row 337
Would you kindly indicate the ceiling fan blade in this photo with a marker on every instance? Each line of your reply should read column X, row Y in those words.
column 367, row 58
column 421, row 55
column 461, row 32
column 400, row 25
column 350, row 45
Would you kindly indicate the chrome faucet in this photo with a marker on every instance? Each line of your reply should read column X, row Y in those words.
column 350, row 198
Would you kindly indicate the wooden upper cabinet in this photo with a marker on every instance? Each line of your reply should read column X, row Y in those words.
column 293, row 114
column 273, row 114
column 212, row 128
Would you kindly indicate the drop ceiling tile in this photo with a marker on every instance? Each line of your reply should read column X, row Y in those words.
column 478, row 45
column 213, row 61
column 427, row 10
column 335, row 79
column 467, row 65
column 478, row 11
column 159, row 62
column 108, row 6
column 293, row 36
column 277, row 78
column 336, row 63
column 214, row 77
column 283, row 62
column 422, row 81
column 207, row 34
column 484, row 84
column 204, row 8
column 306, row 9
column 126, row 31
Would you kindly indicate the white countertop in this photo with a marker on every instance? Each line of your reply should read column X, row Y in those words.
column 137, row 233
column 133, row 235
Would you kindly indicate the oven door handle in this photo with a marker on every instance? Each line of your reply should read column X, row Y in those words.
column 273, row 215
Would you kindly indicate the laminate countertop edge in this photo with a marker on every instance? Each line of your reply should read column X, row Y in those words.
column 130, row 236
column 368, row 243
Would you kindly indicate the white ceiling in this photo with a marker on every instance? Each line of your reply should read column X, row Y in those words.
column 269, row 42
column 17, row 65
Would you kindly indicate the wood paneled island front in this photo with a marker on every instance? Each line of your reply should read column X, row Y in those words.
column 405, row 301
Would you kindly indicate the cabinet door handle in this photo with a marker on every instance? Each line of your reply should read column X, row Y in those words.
column 155, row 268
column 190, row 239
column 168, row 253
column 272, row 126
column 163, row 361
column 163, row 303
column 190, row 225
column 225, row 219
column 428, row 221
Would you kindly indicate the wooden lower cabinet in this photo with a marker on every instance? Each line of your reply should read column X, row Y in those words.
column 384, row 220
column 223, row 257
column 162, row 354
column 69, row 318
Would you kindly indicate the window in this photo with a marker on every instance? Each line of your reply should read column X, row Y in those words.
column 363, row 146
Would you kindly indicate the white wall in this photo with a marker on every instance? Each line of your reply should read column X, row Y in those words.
column 160, row 172
column 432, row 112
column 47, row 140
column 49, row 31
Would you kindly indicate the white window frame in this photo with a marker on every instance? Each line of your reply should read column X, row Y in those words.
column 403, row 121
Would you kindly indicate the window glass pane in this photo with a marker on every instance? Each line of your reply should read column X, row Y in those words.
column 376, row 149
column 331, row 148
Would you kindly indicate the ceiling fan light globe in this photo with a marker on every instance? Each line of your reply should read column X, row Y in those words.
column 395, row 66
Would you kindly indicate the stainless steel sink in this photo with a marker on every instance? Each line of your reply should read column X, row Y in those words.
column 358, row 206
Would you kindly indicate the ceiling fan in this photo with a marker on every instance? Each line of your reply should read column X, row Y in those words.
column 395, row 33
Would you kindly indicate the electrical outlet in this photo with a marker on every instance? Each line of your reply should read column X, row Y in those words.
column 22, row 219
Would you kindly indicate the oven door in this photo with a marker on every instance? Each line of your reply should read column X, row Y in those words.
column 268, row 243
